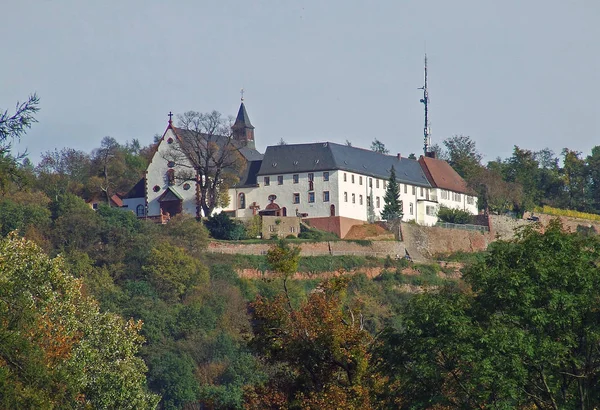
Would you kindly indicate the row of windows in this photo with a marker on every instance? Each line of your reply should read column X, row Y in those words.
column 360, row 200
column 360, row 181
column 311, row 197
column 296, row 178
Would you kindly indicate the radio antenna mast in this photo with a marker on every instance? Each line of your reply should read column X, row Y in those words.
column 425, row 101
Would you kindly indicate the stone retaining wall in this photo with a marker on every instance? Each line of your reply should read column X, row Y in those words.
column 377, row 248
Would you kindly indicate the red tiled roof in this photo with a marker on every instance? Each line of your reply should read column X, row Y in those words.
column 441, row 175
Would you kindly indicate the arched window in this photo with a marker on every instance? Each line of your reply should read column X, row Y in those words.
column 171, row 176
column 284, row 211
column 140, row 210
column 242, row 201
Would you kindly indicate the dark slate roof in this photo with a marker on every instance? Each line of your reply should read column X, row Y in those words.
column 170, row 195
column 324, row 156
column 249, row 177
column 249, row 153
column 138, row 191
column 242, row 119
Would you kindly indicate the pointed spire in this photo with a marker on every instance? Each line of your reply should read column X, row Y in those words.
column 242, row 118
column 243, row 130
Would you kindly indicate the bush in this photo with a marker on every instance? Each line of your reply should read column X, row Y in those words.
column 453, row 215
column 221, row 226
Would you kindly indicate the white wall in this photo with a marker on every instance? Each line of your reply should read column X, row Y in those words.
column 131, row 204
column 157, row 176
column 285, row 194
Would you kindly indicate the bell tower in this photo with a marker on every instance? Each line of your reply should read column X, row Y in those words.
column 243, row 130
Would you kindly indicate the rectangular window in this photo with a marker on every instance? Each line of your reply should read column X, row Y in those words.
column 345, row 196
column 385, row 185
column 414, row 190
column 470, row 200
column 430, row 210
column 311, row 176
column 295, row 178
column 325, row 196
column 296, row 198
column 411, row 208
column 405, row 188
column 360, row 199
column 311, row 197
column 279, row 179
column 376, row 183
column 370, row 182
column 345, row 177
column 359, row 180
column 421, row 192
column 352, row 177
column 377, row 202
column 292, row 229
column 325, row 176
column 267, row 181
column 368, row 200
column 311, row 185
column 443, row 194
column 353, row 198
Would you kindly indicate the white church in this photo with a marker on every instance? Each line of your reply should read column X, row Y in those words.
column 331, row 186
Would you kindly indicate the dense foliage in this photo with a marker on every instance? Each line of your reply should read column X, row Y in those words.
column 101, row 310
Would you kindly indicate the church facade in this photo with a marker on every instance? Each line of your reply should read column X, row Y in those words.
column 325, row 182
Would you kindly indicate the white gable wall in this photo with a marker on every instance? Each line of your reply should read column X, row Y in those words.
column 156, row 176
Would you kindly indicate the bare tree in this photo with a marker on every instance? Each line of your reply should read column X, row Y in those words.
column 207, row 154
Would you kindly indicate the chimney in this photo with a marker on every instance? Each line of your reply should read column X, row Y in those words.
column 399, row 156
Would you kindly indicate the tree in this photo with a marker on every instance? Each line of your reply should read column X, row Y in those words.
column 462, row 155
column 524, row 334
column 379, row 146
column 207, row 154
column 63, row 171
column 392, row 208
column 58, row 350
column 13, row 127
column 221, row 226
column 575, row 179
column 320, row 350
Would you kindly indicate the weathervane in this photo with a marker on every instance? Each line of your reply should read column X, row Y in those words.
column 242, row 94
column 425, row 101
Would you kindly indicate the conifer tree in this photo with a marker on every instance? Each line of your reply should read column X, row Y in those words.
column 393, row 205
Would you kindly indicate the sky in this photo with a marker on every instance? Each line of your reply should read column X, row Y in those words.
column 505, row 73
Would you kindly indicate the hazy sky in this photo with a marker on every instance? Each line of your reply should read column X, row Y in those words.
column 506, row 73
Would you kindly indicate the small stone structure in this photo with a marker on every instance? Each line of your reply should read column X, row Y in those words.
column 280, row 226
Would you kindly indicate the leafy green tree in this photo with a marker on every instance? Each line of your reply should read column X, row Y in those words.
column 58, row 350
column 392, row 208
column 172, row 272
column 524, row 335
column 454, row 215
column 379, row 146
column 221, row 226
column 462, row 155
column 593, row 167
column 575, row 177
column 522, row 167
column 12, row 128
